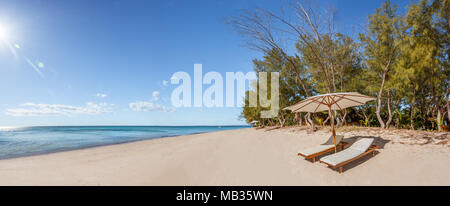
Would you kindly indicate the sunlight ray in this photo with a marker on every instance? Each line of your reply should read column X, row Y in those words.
column 12, row 49
column 34, row 67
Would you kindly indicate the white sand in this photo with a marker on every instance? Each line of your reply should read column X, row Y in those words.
column 238, row 157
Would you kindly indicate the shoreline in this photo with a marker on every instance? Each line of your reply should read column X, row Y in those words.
column 41, row 140
column 231, row 157
column 105, row 145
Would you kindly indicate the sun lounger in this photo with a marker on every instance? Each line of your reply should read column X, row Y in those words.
column 357, row 150
column 313, row 152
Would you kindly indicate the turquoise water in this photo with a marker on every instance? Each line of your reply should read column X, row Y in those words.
column 26, row 141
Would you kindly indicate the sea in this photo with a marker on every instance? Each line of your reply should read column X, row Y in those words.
column 27, row 141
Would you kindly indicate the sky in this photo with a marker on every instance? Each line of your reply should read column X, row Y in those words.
column 109, row 62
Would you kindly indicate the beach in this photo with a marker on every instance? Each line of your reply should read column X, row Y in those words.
column 237, row 157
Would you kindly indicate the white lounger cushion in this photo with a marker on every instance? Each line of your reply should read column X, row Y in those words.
column 356, row 149
column 320, row 148
column 314, row 150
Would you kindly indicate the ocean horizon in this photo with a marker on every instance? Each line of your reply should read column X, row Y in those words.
column 35, row 140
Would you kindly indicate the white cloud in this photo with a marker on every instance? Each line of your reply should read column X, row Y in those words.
column 165, row 83
column 155, row 95
column 142, row 106
column 32, row 109
column 101, row 95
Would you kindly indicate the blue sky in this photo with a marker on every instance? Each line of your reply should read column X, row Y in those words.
column 83, row 62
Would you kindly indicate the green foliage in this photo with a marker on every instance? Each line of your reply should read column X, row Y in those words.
column 411, row 50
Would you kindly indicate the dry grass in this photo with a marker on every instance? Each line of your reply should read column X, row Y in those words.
column 400, row 136
column 350, row 129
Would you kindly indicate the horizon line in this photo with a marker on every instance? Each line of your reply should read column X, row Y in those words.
column 129, row 125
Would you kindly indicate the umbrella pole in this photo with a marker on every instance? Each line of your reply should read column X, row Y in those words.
column 332, row 129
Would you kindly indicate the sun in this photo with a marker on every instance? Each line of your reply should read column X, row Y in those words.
column 4, row 33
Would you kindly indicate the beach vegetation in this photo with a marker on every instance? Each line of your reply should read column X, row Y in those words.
column 401, row 58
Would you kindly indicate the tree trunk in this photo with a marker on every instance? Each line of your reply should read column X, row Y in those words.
column 397, row 116
column 439, row 122
column 313, row 125
column 271, row 122
column 397, row 121
column 440, row 111
column 325, row 121
column 448, row 103
column 413, row 102
column 309, row 122
column 378, row 111
column 306, row 121
column 299, row 118
column 281, row 120
column 366, row 119
column 338, row 121
column 389, row 109
column 344, row 121
column 341, row 121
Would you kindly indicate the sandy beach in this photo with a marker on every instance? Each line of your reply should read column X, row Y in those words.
column 236, row 157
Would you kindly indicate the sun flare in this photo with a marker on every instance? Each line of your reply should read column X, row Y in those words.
column 4, row 33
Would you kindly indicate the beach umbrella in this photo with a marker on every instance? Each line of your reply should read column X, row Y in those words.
column 254, row 122
column 330, row 102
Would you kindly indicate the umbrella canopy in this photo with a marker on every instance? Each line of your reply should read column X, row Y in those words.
column 254, row 122
column 329, row 102
column 332, row 101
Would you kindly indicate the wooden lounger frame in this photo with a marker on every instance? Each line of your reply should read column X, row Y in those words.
column 371, row 149
column 342, row 144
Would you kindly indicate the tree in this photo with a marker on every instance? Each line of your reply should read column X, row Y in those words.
column 381, row 50
column 258, row 27
column 401, row 59
column 428, row 54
